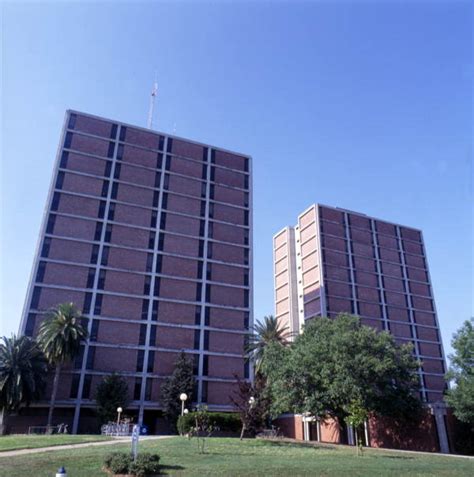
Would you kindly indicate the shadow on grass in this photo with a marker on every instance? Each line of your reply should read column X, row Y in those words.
column 385, row 456
column 164, row 468
column 302, row 445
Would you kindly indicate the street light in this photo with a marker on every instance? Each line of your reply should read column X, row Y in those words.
column 183, row 397
column 251, row 401
column 119, row 411
column 186, row 411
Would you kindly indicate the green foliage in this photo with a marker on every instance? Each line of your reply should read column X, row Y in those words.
column 23, row 368
column 122, row 463
column 202, row 428
column 356, row 417
column 61, row 333
column 336, row 362
column 264, row 334
column 111, row 393
column 461, row 396
column 222, row 421
column 181, row 381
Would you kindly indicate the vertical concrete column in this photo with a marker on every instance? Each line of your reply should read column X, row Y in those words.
column 438, row 410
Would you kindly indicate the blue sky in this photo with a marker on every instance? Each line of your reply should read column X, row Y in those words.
column 361, row 105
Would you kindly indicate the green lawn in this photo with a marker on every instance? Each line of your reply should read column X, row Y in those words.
column 230, row 457
column 21, row 441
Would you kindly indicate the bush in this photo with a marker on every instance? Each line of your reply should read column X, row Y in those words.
column 120, row 463
column 220, row 421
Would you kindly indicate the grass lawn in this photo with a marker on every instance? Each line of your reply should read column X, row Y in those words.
column 230, row 457
column 22, row 441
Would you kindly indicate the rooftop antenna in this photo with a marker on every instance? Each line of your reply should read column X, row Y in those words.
column 154, row 92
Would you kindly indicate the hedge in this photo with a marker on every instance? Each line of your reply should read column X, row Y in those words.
column 222, row 421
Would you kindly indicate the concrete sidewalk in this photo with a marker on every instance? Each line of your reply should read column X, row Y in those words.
column 115, row 440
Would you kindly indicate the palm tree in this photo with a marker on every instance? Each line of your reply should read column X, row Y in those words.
column 264, row 333
column 60, row 336
column 23, row 370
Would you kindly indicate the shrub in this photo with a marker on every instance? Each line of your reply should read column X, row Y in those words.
column 222, row 421
column 121, row 463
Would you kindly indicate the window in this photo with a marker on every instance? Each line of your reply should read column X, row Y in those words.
column 166, row 182
column 211, row 211
column 199, row 270
column 246, row 278
column 113, row 131
column 115, row 187
column 98, row 231
column 209, row 250
column 161, row 242
column 156, row 196
column 79, row 357
column 246, row 320
column 201, row 248
column 197, row 315
column 211, row 191
column 198, row 291
column 74, row 386
column 247, row 370
column 86, row 389
column 118, row 168
column 72, row 121
column 140, row 358
column 148, row 389
column 90, row 278
column 246, row 217
column 213, row 156
column 213, row 173
column 163, row 221
column 246, row 182
column 111, row 214
column 40, row 272
column 90, row 358
column 159, row 160
column 164, row 201
column 154, row 311
column 64, row 158
column 159, row 263
column 46, row 247
column 123, row 133
column 246, row 237
column 110, row 152
column 207, row 316
column 145, row 305
column 149, row 262
column 209, row 271
column 151, row 361
column 157, row 179
column 210, row 230
column 195, row 364
column 205, row 365
column 168, row 163
column 120, row 152
column 203, row 209
column 59, row 180
column 68, row 140
column 87, row 303
column 101, row 281
column 204, row 154
column 246, row 256
column 137, row 389
column 108, row 168
column 157, row 287
column 153, row 329
column 206, row 340
column 151, row 241
column 94, row 330
column 154, row 218
column 50, row 224
column 35, row 297
column 101, row 212
column 142, row 336
column 197, row 337
column 246, row 298
column 208, row 293
column 105, row 188
column 98, row 304
column 169, row 147
column 204, row 172
column 204, row 190
column 30, row 324
column 108, row 233
column 146, row 285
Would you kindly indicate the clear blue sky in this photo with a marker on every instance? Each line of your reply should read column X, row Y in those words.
column 366, row 106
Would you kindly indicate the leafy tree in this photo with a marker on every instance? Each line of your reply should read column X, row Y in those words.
column 23, row 369
column 180, row 381
column 461, row 372
column 265, row 333
column 335, row 363
column 356, row 416
column 111, row 393
column 253, row 404
column 60, row 336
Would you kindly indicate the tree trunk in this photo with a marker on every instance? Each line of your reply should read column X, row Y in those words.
column 242, row 432
column 53, row 394
column 3, row 422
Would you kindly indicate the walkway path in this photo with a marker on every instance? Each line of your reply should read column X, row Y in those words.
column 115, row 440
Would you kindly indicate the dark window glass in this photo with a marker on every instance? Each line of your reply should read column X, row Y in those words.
column 197, row 315
column 211, row 191
column 246, row 278
column 98, row 231
column 208, row 293
column 198, row 291
column 46, row 246
column 115, row 187
column 170, row 145
column 246, row 256
column 202, row 226
column 94, row 330
column 59, row 180
column 79, row 357
column 166, row 182
column 201, row 248
column 123, row 133
column 246, row 320
column 197, row 337
column 246, row 298
column 204, row 172
column 74, row 386
column 164, row 201
column 68, row 140
column 64, row 158
column 137, row 389
column 159, row 160
column 111, row 215
column 55, row 202
column 209, row 250
column 98, row 305
column 246, row 167
column 35, row 298
column 108, row 233
column 204, row 154
column 146, row 285
column 154, row 216
column 140, row 358
column 154, row 311
column 101, row 212
column 151, row 240
column 72, row 121
column 246, row 237
column 211, row 211
column 40, row 272
column 30, row 324
column 157, row 179
column 117, row 170
column 209, row 271
column 163, row 221
column 85, row 322
column 157, row 287
column 168, row 163
column 90, row 357
column 148, row 389
column 247, row 370
column 246, row 217
column 87, row 303
column 90, row 278
column 151, row 361
column 213, row 173
column 161, row 242
column 195, row 364
column 142, row 337
column 204, row 391
column 113, row 131
column 161, row 142
column 210, row 230
column 156, row 196
column 199, row 270
column 145, row 305
column 205, row 365
column 110, row 152
column 213, row 156
column 159, row 263
column 203, row 209
column 120, row 152
column 207, row 316
column 246, row 199
column 246, row 182
column 149, row 262
column 105, row 188
column 108, row 168
column 50, row 224
column 153, row 335
column 206, row 340
column 86, row 389
column 101, row 281
column 204, row 190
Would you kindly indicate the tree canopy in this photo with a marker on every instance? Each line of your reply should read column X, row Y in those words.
column 111, row 393
column 461, row 372
column 335, row 363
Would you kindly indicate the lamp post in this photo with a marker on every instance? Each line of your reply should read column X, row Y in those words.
column 119, row 411
column 183, row 397
column 186, row 411
column 251, row 401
